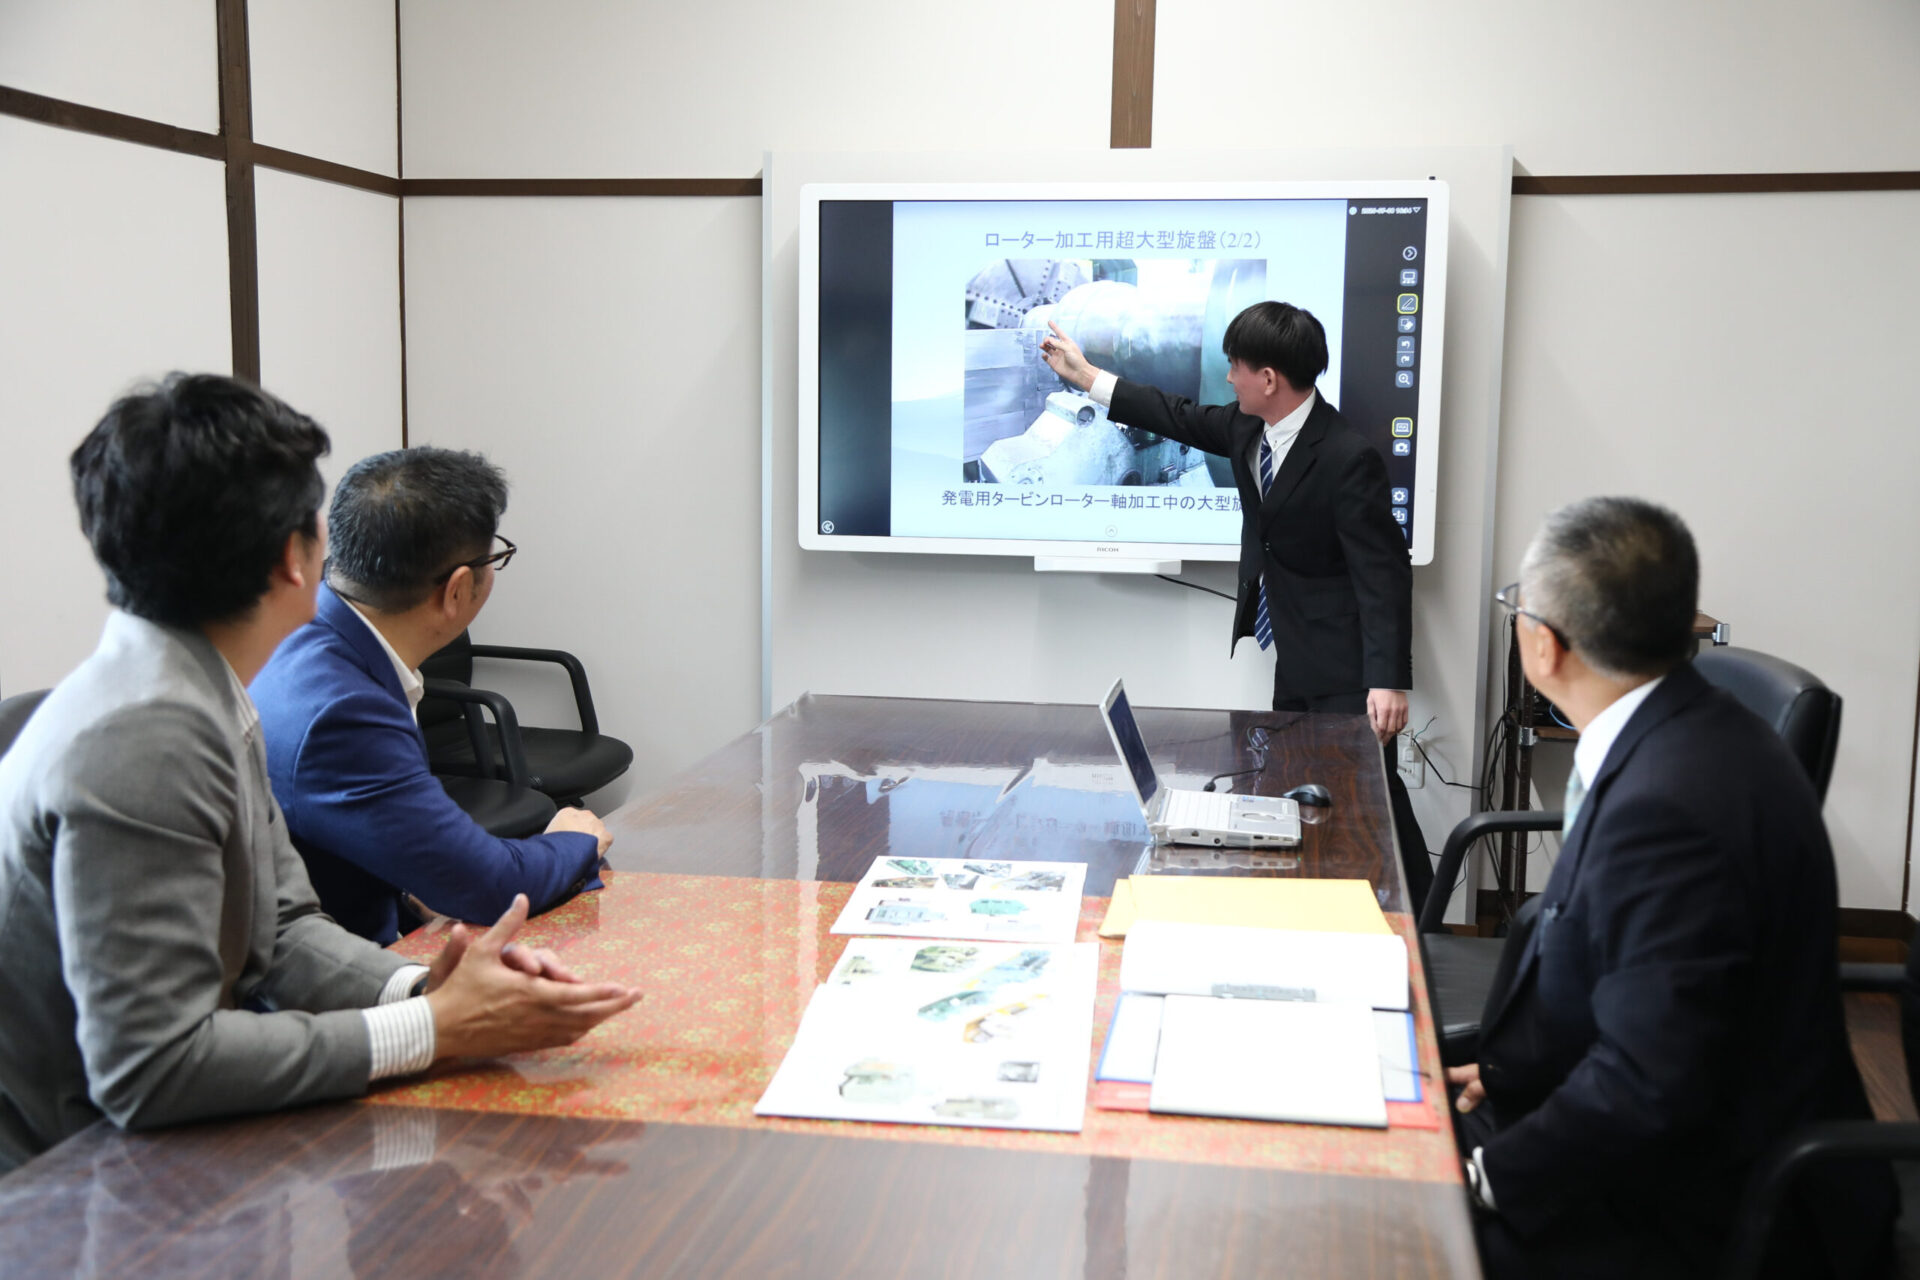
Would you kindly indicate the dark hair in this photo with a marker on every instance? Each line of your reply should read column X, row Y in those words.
column 188, row 492
column 1281, row 337
column 403, row 519
column 1621, row 579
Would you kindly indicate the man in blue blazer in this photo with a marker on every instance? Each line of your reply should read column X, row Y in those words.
column 411, row 563
column 1675, row 1011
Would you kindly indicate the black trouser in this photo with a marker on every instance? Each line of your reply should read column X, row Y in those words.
column 1415, row 861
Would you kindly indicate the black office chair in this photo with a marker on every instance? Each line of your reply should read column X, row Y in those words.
column 566, row 764
column 1460, row 970
column 1801, row 709
column 1842, row 1139
column 14, row 713
column 502, row 800
column 1463, row 971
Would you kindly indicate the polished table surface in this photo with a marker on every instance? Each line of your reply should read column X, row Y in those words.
column 635, row 1152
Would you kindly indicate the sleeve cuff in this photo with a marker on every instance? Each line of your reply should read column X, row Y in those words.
column 401, row 1037
column 400, row 986
column 1101, row 392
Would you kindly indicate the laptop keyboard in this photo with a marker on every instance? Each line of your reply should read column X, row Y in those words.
column 1208, row 809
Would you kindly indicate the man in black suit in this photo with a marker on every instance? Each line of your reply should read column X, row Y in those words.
column 1676, row 1008
column 1325, row 580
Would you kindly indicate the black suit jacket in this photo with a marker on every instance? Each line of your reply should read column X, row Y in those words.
column 1339, row 581
column 1676, row 1009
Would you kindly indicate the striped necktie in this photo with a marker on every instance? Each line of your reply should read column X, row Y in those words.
column 1262, row 624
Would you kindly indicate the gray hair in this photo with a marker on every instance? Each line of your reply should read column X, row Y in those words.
column 1620, row 579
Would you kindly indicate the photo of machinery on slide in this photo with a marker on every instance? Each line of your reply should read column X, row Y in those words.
column 1154, row 320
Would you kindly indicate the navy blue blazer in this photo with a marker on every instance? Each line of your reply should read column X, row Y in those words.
column 349, row 768
column 1676, row 1010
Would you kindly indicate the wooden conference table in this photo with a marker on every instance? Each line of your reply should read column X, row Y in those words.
column 636, row 1152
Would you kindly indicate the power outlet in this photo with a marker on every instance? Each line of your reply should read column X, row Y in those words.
column 1413, row 766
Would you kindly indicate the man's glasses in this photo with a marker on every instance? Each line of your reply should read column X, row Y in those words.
column 1509, row 597
column 499, row 560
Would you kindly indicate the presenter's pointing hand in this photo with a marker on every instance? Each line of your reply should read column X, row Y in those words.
column 1064, row 357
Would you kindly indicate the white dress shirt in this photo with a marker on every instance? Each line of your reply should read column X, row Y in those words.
column 410, row 682
column 1596, row 740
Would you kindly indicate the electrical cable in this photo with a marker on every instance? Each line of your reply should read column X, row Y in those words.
column 1194, row 586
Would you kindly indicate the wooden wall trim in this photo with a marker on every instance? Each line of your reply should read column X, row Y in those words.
column 325, row 170
column 579, row 187
column 243, row 234
column 1707, row 184
column 1874, row 922
column 1132, row 109
column 62, row 114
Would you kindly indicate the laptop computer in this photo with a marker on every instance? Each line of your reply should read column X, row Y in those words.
column 1177, row 816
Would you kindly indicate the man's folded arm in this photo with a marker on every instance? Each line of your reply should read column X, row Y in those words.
column 365, row 795
column 140, row 885
column 1675, row 959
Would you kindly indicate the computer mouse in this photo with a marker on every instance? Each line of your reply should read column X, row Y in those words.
column 1310, row 793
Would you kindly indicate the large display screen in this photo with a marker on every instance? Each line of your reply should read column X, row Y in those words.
column 930, row 422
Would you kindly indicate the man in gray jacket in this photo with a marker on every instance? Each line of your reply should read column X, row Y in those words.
column 167, row 959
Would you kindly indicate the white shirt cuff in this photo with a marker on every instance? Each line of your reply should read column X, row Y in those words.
column 1101, row 392
column 401, row 1036
column 1486, row 1186
column 400, row 985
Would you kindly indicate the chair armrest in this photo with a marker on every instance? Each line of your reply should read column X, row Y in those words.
column 1811, row 1144
column 511, row 750
column 582, row 695
column 1889, row 978
column 1460, row 839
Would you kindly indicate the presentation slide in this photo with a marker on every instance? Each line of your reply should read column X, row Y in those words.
column 938, row 425
column 986, row 439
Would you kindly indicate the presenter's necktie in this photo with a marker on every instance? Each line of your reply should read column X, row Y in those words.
column 1576, row 792
column 1262, row 624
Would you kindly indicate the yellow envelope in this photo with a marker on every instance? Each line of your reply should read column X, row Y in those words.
column 1119, row 910
column 1324, row 906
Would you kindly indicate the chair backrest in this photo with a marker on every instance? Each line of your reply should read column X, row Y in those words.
column 453, row 662
column 14, row 713
column 1794, row 701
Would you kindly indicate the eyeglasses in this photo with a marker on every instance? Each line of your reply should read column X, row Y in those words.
column 499, row 560
column 1509, row 597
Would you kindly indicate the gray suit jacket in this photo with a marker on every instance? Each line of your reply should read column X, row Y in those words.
column 166, row 957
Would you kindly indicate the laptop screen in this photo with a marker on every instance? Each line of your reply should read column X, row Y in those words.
column 1126, row 736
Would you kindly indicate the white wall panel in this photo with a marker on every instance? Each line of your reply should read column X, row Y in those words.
column 330, row 310
column 1744, row 360
column 153, row 58
column 323, row 79
column 1631, row 86
column 113, row 269
column 605, row 353
column 609, row 88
